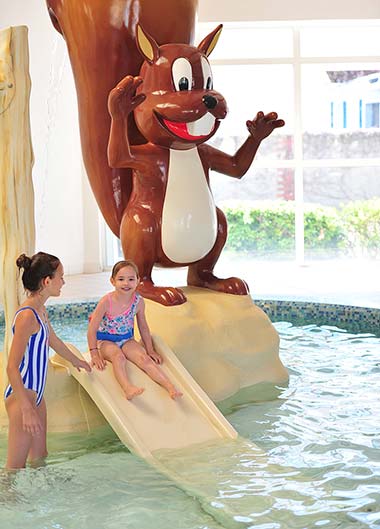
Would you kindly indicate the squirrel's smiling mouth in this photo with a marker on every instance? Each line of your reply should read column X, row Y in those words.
column 192, row 130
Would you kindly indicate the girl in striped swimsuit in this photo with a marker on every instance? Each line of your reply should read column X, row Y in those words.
column 110, row 333
column 28, row 360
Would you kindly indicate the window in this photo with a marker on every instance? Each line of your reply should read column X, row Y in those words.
column 324, row 80
column 372, row 115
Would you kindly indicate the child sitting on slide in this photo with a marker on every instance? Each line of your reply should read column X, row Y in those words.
column 110, row 333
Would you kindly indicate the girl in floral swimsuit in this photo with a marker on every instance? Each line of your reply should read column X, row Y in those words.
column 110, row 333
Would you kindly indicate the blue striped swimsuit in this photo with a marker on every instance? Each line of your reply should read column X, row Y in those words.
column 34, row 364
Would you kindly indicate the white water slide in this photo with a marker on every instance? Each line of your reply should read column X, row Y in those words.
column 187, row 439
column 153, row 421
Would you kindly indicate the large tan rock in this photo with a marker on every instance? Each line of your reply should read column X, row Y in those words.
column 226, row 342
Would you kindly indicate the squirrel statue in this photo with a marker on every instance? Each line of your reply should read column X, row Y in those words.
column 153, row 189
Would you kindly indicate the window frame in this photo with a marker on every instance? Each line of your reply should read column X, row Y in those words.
column 298, row 164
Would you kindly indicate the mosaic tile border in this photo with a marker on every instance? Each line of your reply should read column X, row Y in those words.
column 352, row 318
column 360, row 319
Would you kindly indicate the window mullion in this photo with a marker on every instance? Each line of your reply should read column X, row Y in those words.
column 298, row 173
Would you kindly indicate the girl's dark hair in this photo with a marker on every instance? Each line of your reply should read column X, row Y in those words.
column 36, row 268
column 122, row 264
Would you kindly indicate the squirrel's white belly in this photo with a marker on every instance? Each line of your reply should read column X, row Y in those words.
column 189, row 223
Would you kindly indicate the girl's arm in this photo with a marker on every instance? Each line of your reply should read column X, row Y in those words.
column 146, row 337
column 96, row 317
column 62, row 349
column 25, row 326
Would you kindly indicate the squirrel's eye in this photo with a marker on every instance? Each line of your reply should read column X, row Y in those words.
column 183, row 83
column 182, row 74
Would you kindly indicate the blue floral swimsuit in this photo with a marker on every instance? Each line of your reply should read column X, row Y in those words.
column 118, row 329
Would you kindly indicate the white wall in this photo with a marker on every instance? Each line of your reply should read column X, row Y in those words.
column 57, row 174
column 67, row 222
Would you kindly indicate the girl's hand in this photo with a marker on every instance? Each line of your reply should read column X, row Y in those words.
column 97, row 360
column 31, row 422
column 157, row 358
column 82, row 364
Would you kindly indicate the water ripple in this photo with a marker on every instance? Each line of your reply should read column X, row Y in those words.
column 311, row 458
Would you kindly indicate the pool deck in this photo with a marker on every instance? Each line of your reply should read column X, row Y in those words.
column 354, row 283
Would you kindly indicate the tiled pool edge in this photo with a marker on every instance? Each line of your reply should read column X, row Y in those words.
column 309, row 312
column 297, row 312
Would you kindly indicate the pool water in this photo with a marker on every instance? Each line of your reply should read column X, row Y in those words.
column 308, row 459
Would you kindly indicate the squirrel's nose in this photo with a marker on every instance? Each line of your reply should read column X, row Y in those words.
column 209, row 101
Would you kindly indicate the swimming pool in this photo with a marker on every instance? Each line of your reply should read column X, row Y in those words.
column 318, row 463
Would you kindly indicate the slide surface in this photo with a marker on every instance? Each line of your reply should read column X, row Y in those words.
column 153, row 421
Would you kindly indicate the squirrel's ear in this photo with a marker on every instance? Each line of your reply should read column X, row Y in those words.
column 147, row 45
column 209, row 42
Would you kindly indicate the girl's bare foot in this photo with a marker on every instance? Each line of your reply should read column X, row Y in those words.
column 133, row 391
column 174, row 392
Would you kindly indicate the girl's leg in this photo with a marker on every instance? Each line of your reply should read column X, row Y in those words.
column 19, row 441
column 114, row 354
column 38, row 448
column 137, row 354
